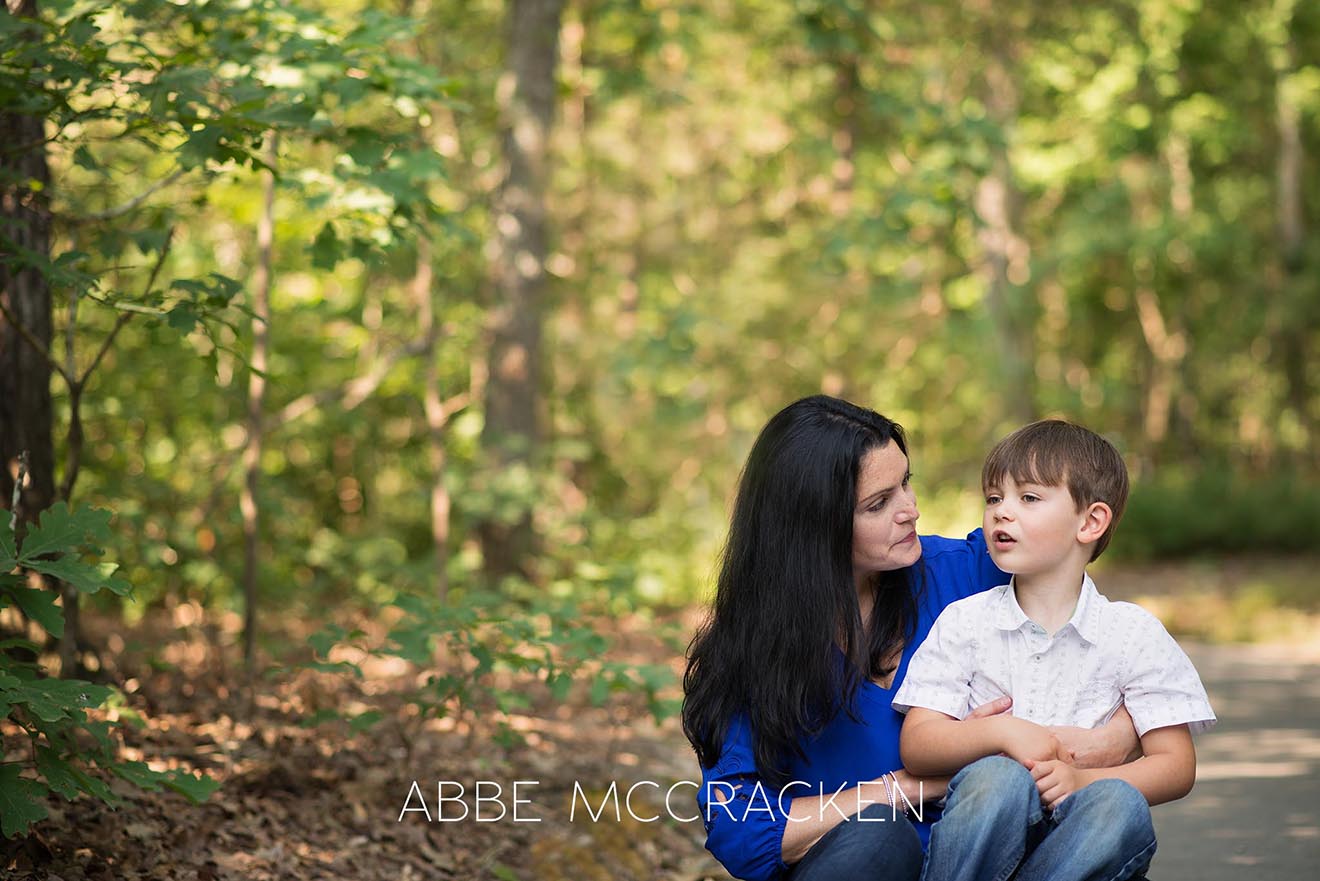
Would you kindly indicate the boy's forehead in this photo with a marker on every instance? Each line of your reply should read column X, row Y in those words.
column 1028, row 472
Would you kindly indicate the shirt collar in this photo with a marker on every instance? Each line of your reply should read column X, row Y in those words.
column 1006, row 614
column 1086, row 618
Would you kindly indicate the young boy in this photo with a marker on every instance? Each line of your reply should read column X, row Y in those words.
column 1060, row 650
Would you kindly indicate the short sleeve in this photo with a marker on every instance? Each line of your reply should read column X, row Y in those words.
column 746, row 831
column 939, row 676
column 1160, row 685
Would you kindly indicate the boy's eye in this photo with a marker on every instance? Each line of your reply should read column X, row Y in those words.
column 1030, row 497
column 992, row 500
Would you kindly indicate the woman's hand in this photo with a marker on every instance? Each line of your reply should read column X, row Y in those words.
column 1113, row 743
column 994, row 708
column 918, row 789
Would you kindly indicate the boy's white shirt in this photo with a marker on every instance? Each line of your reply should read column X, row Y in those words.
column 985, row 647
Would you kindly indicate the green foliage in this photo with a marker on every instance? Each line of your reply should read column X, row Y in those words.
column 65, row 743
column 1220, row 513
column 492, row 658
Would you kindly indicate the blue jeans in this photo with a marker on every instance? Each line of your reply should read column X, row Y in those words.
column 994, row 828
column 883, row 847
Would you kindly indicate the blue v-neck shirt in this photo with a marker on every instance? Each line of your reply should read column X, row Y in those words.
column 746, row 834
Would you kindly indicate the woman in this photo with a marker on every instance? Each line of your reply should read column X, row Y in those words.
column 825, row 590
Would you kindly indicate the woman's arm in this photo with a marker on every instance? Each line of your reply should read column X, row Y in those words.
column 1113, row 743
column 805, row 828
column 1166, row 771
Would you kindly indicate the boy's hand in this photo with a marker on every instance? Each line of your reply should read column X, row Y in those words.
column 1055, row 780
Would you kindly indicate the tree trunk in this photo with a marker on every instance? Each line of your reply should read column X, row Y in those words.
column 526, row 95
column 25, row 371
column 847, row 96
column 25, row 343
column 1006, row 266
column 1295, row 303
column 261, row 285
column 436, row 416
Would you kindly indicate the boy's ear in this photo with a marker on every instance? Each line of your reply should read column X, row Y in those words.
column 1096, row 519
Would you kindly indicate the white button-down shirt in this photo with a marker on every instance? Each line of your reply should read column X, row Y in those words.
column 985, row 647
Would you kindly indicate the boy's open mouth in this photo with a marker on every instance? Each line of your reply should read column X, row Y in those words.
column 1003, row 539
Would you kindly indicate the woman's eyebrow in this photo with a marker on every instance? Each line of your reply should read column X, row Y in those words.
column 886, row 490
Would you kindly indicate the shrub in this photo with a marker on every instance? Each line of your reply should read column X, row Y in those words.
column 64, row 745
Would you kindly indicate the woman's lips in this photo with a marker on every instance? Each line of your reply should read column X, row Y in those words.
column 911, row 537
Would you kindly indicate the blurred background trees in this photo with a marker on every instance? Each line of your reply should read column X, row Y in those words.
column 535, row 273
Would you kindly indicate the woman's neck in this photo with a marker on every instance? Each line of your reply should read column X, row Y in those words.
column 865, row 597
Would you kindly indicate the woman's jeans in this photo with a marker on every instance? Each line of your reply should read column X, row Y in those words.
column 883, row 847
column 994, row 828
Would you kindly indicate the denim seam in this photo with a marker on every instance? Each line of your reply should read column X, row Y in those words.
column 1146, row 853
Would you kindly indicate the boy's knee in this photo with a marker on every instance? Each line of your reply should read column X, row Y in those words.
column 993, row 774
column 1115, row 806
column 995, row 785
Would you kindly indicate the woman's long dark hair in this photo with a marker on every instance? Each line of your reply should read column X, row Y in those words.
column 786, row 592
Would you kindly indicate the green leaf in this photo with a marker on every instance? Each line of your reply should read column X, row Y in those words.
column 60, row 530
column 560, row 685
column 182, row 318
column 600, row 690
column 320, row 716
column 86, row 577
column 325, row 639
column 8, row 547
column 95, row 786
column 363, row 721
column 20, row 801
column 139, row 774
column 40, row 606
column 58, row 773
column 53, row 700
column 195, row 788
column 327, row 250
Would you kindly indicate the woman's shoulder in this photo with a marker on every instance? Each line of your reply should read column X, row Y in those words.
column 959, row 567
column 936, row 547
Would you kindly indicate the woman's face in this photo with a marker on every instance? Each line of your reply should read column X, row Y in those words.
column 885, row 520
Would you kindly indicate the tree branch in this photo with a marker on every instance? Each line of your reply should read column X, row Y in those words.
column 121, row 210
column 351, row 393
column 32, row 341
column 125, row 316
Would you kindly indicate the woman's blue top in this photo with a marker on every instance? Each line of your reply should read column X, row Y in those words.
column 746, row 833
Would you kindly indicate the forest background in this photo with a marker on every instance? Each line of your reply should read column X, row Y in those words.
column 412, row 349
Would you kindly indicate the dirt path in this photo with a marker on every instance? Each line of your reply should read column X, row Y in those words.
column 1255, row 811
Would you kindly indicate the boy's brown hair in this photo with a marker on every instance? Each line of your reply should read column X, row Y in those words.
column 1057, row 453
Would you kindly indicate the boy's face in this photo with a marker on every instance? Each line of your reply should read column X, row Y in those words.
column 1032, row 529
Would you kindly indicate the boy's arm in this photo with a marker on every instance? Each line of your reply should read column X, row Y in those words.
column 933, row 743
column 1166, row 772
